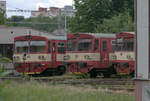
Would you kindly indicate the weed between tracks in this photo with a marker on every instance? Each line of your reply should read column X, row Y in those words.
column 33, row 91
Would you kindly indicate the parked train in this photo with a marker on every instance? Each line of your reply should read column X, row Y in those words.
column 100, row 53
column 123, row 57
column 39, row 54
column 86, row 53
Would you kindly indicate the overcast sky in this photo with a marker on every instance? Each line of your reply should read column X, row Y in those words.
column 34, row 4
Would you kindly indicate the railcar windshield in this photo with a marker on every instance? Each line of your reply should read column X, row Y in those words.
column 21, row 46
column 37, row 46
column 71, row 45
column 126, row 45
column 84, row 44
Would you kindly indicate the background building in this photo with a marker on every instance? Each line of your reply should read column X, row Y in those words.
column 7, row 35
column 68, row 11
column 54, row 11
column 51, row 12
column 3, row 6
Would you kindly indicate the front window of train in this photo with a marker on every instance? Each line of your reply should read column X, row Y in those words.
column 21, row 46
column 84, row 44
column 126, row 45
column 37, row 46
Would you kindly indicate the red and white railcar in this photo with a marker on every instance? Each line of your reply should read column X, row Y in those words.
column 39, row 54
column 123, row 57
column 89, row 53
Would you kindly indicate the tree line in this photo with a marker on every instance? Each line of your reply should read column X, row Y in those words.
column 105, row 16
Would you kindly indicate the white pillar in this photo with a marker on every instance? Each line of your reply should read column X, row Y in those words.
column 142, row 79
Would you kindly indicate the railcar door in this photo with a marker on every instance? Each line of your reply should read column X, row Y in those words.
column 60, row 51
column 60, row 57
column 53, row 55
column 104, row 52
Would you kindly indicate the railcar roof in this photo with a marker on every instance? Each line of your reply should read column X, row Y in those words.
column 103, row 35
column 55, row 37
column 130, row 32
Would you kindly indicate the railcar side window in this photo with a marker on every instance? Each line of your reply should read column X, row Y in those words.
column 53, row 47
column 104, row 45
column 84, row 44
column 113, row 44
column 71, row 45
column 96, row 44
column 61, row 47
column 49, row 50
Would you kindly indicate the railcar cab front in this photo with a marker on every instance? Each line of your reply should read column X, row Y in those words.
column 78, row 54
column 43, row 53
column 123, row 57
column 88, row 53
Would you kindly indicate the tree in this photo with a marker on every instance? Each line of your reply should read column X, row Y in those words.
column 2, row 18
column 93, row 13
column 88, row 13
column 120, row 23
column 40, row 23
column 17, row 18
column 120, row 6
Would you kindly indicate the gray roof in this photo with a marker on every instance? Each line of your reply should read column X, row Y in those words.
column 103, row 35
column 7, row 34
column 54, row 37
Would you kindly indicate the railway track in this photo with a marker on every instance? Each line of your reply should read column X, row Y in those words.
column 75, row 81
column 109, row 83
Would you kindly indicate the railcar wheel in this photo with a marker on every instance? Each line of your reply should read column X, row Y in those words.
column 93, row 74
column 112, row 70
column 61, row 70
column 132, row 74
column 106, row 75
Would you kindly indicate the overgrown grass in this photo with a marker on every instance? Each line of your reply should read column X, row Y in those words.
column 33, row 91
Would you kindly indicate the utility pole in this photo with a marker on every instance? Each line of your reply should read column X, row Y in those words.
column 59, row 20
column 65, row 21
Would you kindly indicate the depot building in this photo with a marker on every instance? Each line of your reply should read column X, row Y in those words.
column 7, row 35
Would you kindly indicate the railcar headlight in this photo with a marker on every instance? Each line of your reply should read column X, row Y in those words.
column 43, row 64
column 42, row 57
column 129, row 57
column 66, row 57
